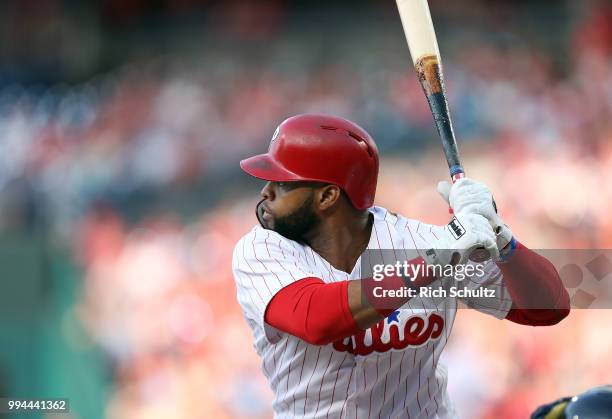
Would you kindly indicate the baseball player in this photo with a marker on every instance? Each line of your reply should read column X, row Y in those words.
column 595, row 403
column 330, row 347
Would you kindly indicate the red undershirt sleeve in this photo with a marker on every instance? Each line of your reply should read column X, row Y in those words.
column 312, row 310
column 538, row 295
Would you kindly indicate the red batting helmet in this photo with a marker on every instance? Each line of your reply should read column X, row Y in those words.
column 321, row 148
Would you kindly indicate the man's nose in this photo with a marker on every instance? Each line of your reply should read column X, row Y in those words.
column 267, row 192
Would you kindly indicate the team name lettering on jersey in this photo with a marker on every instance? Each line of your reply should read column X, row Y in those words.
column 416, row 331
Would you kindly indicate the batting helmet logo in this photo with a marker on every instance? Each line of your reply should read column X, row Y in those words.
column 275, row 135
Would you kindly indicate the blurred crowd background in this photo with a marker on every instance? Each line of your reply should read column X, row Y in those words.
column 121, row 126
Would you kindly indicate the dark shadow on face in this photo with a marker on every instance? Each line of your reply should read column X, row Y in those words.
column 295, row 225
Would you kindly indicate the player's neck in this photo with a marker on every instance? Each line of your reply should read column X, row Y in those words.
column 341, row 240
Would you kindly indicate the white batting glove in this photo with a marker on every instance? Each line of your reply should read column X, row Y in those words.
column 462, row 235
column 467, row 196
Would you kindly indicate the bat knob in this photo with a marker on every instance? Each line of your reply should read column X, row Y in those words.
column 480, row 255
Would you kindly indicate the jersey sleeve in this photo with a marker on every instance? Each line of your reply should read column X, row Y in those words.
column 496, row 300
column 263, row 263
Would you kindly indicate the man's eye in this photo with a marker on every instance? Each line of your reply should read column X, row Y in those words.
column 288, row 185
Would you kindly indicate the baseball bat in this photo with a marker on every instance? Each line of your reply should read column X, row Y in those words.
column 421, row 37
column 423, row 45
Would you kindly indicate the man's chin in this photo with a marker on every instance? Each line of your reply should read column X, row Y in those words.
column 293, row 227
column 268, row 225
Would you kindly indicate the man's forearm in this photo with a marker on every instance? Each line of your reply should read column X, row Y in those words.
column 362, row 310
column 538, row 295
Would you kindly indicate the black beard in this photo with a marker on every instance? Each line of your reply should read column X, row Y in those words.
column 296, row 225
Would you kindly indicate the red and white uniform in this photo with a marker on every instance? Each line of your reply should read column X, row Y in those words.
column 389, row 371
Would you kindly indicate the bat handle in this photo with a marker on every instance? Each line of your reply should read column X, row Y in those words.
column 480, row 254
column 456, row 172
column 430, row 77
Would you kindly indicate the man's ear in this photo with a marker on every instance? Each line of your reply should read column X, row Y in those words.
column 328, row 196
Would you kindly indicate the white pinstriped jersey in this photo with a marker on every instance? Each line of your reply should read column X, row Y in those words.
column 389, row 371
